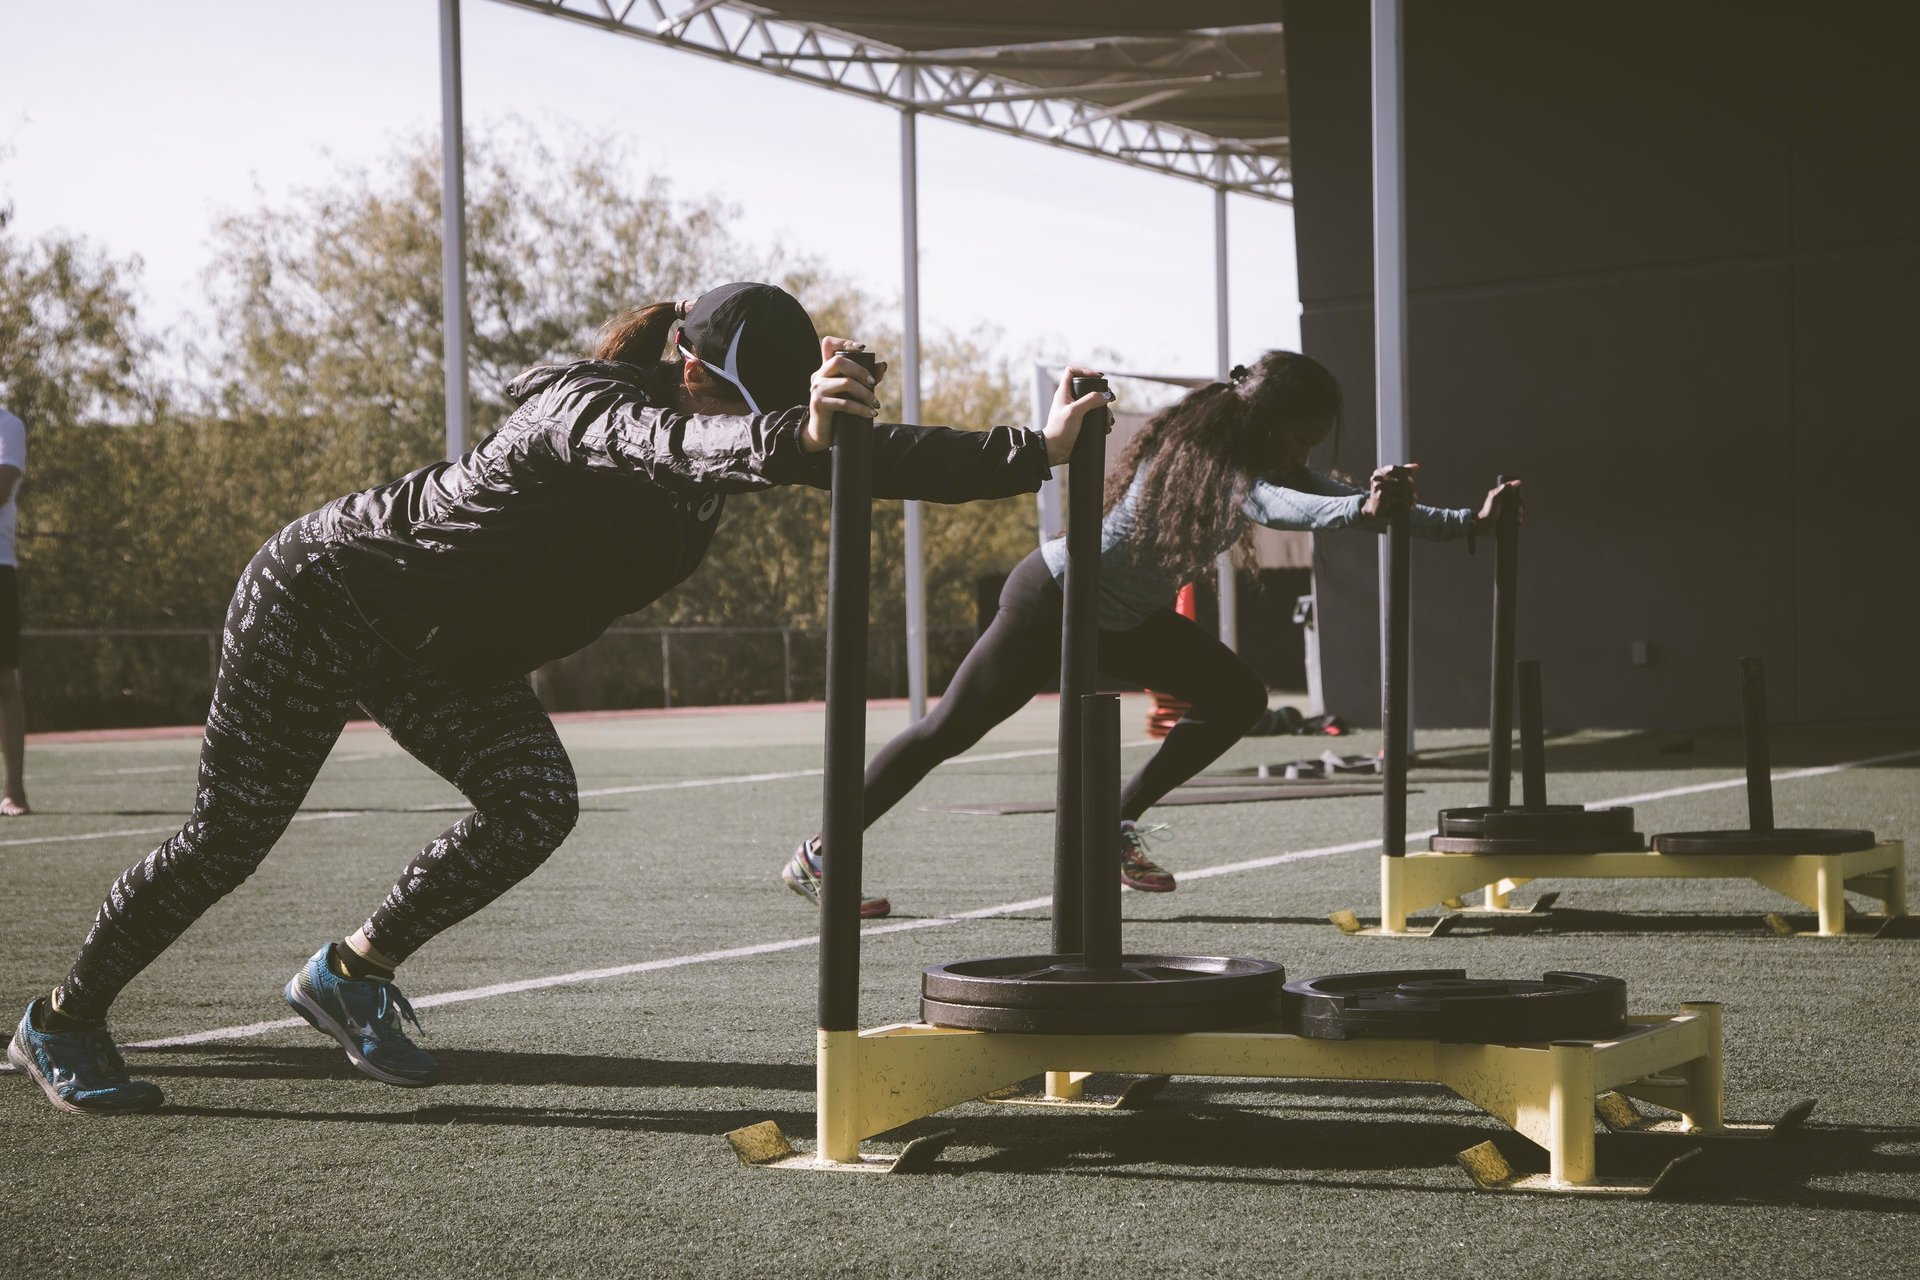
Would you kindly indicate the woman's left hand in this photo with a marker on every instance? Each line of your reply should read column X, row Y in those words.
column 1390, row 489
column 1490, row 509
column 839, row 385
column 1067, row 414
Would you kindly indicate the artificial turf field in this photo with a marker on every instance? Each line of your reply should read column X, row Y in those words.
column 578, row 1128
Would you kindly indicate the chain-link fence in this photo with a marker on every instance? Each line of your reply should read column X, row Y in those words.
column 80, row 678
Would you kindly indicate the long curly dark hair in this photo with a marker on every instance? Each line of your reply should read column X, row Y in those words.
column 1198, row 457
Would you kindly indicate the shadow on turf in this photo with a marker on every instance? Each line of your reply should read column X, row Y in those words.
column 473, row 1067
column 1191, row 1135
column 1210, row 1143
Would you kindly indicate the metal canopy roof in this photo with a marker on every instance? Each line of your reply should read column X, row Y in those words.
column 1196, row 90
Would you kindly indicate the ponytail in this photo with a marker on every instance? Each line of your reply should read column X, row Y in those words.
column 639, row 334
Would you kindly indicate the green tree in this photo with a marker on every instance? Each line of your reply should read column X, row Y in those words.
column 320, row 372
column 329, row 332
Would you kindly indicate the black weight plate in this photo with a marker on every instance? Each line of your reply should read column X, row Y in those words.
column 1445, row 1004
column 1623, row 842
column 1350, row 1006
column 1522, row 824
column 1469, row 818
column 1540, row 823
column 1779, row 840
column 1064, row 982
column 1117, row 1021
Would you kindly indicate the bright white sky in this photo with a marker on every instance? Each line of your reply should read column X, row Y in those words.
column 135, row 122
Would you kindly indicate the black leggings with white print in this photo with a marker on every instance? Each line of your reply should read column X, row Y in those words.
column 296, row 660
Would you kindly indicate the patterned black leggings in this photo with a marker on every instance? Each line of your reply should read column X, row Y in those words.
column 296, row 659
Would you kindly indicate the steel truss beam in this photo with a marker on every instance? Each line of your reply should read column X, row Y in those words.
column 966, row 92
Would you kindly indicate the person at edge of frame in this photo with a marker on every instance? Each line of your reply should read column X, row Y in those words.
column 13, row 703
column 597, row 495
column 1223, row 457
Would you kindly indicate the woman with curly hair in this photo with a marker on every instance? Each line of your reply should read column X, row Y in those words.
column 1224, row 457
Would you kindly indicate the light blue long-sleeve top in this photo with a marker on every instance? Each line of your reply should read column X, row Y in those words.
column 1132, row 586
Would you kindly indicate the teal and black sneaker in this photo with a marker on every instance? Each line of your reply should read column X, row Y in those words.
column 79, row 1071
column 803, row 875
column 364, row 1016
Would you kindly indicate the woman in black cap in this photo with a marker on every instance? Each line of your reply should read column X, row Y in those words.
column 425, row 601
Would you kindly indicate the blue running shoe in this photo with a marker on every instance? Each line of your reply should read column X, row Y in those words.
column 364, row 1016
column 79, row 1071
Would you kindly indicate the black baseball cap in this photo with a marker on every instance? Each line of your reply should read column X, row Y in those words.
column 757, row 337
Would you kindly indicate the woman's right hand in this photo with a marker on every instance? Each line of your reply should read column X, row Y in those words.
column 839, row 385
column 1063, row 421
column 1390, row 489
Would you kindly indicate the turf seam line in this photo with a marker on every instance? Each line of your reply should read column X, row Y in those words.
column 933, row 922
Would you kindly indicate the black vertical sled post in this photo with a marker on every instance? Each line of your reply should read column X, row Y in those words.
column 1761, row 836
column 1089, row 985
column 844, row 823
column 1533, row 746
column 1079, row 659
column 1506, row 579
column 1099, row 819
column 1753, row 694
column 1394, row 711
column 1533, row 826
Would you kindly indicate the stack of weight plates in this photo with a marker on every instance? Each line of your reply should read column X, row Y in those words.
column 1445, row 1004
column 1551, row 828
column 1060, row 995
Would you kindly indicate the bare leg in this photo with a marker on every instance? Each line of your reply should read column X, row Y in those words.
column 13, row 743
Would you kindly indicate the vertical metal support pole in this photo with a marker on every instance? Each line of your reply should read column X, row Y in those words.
column 453, row 229
column 843, row 796
column 1229, row 585
column 836, row 1106
column 1706, row 1074
column 1570, row 1113
column 1391, row 439
column 1830, row 889
column 1066, row 1086
column 1753, row 706
column 1393, row 688
column 914, row 513
column 1079, row 670
column 666, row 668
column 786, row 663
column 1099, row 815
column 1533, row 747
column 1048, row 499
column 1506, row 577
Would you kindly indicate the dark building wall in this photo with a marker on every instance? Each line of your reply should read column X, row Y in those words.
column 1664, row 262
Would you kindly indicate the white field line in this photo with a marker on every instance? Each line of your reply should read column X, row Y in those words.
column 683, row 784
column 189, row 767
column 322, row 815
column 936, row 922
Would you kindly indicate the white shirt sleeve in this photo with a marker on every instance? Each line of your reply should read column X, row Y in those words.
column 13, row 442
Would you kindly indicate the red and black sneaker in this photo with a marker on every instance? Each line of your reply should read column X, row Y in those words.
column 1137, row 870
